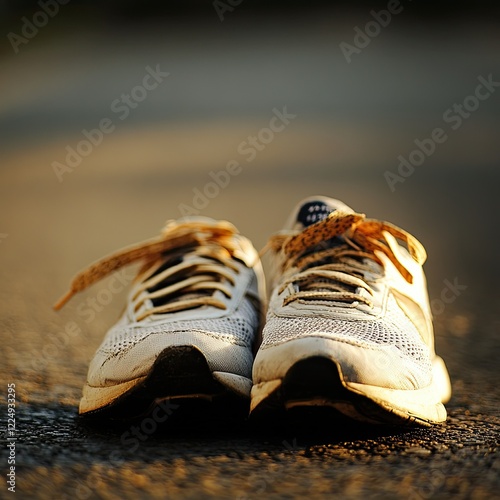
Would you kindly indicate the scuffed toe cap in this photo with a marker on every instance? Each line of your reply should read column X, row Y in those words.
column 116, row 363
column 383, row 366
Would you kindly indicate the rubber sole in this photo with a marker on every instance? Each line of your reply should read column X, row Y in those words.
column 318, row 381
column 179, row 373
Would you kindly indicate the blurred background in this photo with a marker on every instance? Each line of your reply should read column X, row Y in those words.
column 171, row 93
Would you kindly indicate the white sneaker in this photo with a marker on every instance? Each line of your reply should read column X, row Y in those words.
column 191, row 323
column 349, row 324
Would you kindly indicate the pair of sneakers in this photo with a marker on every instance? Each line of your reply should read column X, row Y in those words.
column 348, row 322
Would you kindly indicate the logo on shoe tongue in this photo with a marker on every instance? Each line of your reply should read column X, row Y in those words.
column 313, row 212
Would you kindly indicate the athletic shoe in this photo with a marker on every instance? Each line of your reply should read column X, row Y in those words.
column 191, row 323
column 349, row 323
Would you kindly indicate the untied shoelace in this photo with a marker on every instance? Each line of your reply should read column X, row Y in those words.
column 303, row 254
column 211, row 247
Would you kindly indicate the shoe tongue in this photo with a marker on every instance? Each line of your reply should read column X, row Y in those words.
column 313, row 210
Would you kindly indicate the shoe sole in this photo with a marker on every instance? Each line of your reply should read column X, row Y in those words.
column 179, row 372
column 318, row 381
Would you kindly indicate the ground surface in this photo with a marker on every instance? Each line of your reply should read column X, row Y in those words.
column 352, row 123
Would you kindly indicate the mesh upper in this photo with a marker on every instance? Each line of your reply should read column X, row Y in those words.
column 238, row 329
column 393, row 329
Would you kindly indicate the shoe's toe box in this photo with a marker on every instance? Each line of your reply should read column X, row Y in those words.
column 373, row 351
column 129, row 352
